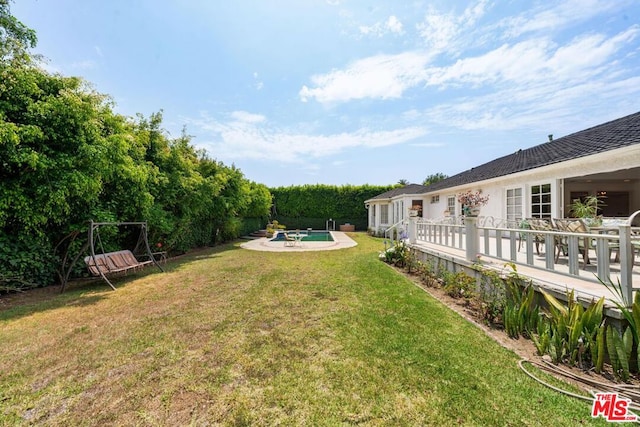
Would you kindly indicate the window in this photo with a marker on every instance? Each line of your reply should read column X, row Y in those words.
column 514, row 204
column 435, row 199
column 384, row 214
column 373, row 214
column 451, row 205
column 416, row 205
column 541, row 201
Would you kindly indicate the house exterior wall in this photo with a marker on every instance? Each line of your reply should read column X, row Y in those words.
column 554, row 174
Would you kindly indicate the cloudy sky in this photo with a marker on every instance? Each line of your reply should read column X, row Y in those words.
column 352, row 91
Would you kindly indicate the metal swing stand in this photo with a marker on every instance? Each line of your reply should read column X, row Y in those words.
column 107, row 263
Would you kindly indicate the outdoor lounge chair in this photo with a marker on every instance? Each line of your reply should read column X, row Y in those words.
column 289, row 241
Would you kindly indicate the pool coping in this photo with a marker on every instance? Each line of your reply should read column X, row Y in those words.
column 340, row 241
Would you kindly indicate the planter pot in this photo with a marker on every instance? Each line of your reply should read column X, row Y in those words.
column 471, row 211
column 413, row 213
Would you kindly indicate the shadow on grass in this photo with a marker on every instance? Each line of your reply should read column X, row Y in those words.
column 88, row 291
column 44, row 299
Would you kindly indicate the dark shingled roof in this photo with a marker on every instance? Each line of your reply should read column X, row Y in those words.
column 407, row 189
column 618, row 133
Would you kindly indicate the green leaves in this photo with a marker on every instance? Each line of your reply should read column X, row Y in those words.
column 619, row 349
column 15, row 37
column 324, row 202
column 66, row 157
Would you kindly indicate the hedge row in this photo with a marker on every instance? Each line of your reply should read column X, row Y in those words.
column 312, row 205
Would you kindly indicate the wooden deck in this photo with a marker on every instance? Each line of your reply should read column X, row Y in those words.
column 586, row 286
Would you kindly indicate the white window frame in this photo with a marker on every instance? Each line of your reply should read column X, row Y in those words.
column 451, row 205
column 514, row 203
column 539, row 199
column 384, row 214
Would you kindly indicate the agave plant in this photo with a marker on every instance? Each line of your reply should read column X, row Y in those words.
column 521, row 313
column 630, row 311
column 619, row 349
column 573, row 327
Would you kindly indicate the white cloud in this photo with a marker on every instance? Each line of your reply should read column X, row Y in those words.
column 538, row 64
column 545, row 105
column 442, row 31
column 379, row 77
column 245, row 117
column 380, row 29
column 557, row 17
column 249, row 136
column 394, row 25
column 534, row 60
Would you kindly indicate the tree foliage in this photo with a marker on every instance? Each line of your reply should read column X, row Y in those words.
column 311, row 205
column 434, row 177
column 15, row 37
column 67, row 158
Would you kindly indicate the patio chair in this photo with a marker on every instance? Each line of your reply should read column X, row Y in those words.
column 539, row 224
column 574, row 225
column 289, row 241
column 610, row 226
column 522, row 224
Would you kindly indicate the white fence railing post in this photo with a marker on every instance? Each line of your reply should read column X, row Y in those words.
column 472, row 238
column 626, row 263
column 413, row 229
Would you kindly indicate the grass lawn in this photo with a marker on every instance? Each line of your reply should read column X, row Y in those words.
column 235, row 337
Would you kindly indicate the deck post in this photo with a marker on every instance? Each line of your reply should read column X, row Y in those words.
column 413, row 229
column 626, row 264
column 471, row 237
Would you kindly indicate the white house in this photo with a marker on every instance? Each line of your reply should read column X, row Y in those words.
column 537, row 182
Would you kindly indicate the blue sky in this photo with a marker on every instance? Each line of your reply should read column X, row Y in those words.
column 352, row 92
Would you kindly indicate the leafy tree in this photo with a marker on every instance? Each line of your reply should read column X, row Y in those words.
column 433, row 178
column 15, row 37
column 403, row 182
column 66, row 158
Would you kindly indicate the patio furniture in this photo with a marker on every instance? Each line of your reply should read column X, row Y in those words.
column 289, row 241
column 574, row 225
column 612, row 226
column 524, row 225
column 539, row 224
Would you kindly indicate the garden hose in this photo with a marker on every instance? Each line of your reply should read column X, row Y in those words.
column 628, row 392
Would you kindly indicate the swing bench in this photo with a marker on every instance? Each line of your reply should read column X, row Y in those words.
column 113, row 262
column 105, row 264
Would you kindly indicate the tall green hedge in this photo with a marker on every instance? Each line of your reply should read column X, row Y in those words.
column 66, row 158
column 310, row 206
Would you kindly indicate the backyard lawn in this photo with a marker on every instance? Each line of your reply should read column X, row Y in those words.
column 235, row 337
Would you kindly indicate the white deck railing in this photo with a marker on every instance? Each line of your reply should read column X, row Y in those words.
column 538, row 248
column 395, row 233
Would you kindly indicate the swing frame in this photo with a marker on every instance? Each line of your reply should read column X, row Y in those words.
column 99, row 262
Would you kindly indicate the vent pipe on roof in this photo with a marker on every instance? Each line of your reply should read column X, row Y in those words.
column 550, row 137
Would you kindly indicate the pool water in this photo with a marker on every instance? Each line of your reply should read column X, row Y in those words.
column 309, row 236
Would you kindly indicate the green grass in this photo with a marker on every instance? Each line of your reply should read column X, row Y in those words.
column 236, row 337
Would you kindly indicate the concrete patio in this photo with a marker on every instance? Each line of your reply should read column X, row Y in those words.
column 340, row 241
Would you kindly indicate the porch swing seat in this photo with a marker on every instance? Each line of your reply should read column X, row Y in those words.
column 106, row 264
column 113, row 262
